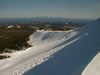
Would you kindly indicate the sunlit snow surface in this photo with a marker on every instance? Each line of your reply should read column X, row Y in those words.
column 44, row 45
column 94, row 66
column 55, row 53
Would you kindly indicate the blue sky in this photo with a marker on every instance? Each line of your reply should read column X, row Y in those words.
column 89, row 9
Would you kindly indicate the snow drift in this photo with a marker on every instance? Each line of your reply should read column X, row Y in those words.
column 55, row 53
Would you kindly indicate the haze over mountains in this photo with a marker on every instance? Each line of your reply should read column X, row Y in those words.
column 44, row 19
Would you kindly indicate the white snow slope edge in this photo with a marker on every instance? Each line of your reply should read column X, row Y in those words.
column 55, row 53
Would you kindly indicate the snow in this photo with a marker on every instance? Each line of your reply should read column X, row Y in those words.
column 56, row 53
column 75, row 54
column 10, row 26
column 26, row 59
column 18, row 26
column 93, row 67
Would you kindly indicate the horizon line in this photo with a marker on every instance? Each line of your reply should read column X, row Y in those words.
column 46, row 17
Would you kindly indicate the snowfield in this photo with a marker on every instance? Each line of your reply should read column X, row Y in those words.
column 94, row 67
column 57, row 53
column 10, row 26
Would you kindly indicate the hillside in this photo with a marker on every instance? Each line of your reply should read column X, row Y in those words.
column 76, row 54
column 55, row 52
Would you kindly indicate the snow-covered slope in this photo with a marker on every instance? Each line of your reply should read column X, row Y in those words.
column 55, row 53
column 94, row 66
column 44, row 45
column 74, row 57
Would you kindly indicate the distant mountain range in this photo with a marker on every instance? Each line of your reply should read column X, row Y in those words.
column 43, row 19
